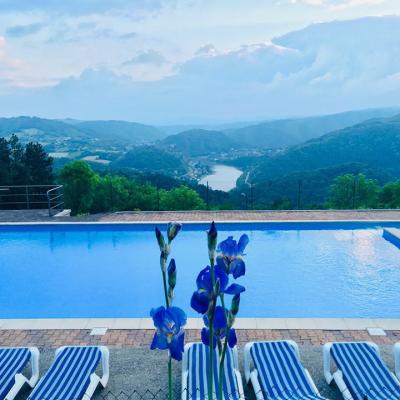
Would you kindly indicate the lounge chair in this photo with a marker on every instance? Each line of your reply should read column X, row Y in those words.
column 276, row 372
column 13, row 360
column 396, row 350
column 361, row 373
column 72, row 375
column 195, row 374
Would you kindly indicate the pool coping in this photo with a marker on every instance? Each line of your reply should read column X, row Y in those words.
column 342, row 324
column 200, row 222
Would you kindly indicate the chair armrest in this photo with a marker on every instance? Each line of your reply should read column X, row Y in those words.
column 105, row 363
column 35, row 355
column 247, row 361
column 327, row 363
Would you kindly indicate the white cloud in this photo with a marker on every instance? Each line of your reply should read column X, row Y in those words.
column 327, row 67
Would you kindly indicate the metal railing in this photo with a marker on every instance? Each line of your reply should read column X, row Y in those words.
column 27, row 197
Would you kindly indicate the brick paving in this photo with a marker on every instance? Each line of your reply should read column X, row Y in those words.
column 142, row 338
column 140, row 216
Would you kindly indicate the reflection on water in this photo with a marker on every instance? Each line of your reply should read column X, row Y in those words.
column 223, row 178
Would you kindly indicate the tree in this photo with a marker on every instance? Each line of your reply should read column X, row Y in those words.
column 80, row 183
column 5, row 162
column 181, row 198
column 389, row 197
column 38, row 165
column 17, row 162
column 353, row 191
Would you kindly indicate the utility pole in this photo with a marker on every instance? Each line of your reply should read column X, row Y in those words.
column 207, row 199
column 354, row 191
column 300, row 183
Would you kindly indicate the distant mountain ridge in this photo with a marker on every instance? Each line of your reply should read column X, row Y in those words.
column 289, row 132
column 35, row 128
column 374, row 143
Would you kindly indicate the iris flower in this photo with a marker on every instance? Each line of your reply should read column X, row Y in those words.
column 230, row 255
column 219, row 329
column 205, row 294
column 169, row 323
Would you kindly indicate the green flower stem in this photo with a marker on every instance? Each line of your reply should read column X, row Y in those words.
column 210, row 337
column 165, row 289
column 222, row 357
column 170, row 378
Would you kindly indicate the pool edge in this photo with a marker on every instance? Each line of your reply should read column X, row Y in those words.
column 344, row 324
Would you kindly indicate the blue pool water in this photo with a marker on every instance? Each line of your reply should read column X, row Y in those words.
column 293, row 270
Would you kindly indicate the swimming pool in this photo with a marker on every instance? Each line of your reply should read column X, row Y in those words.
column 322, row 270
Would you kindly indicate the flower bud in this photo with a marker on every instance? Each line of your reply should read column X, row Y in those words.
column 212, row 241
column 160, row 239
column 172, row 230
column 235, row 304
column 171, row 274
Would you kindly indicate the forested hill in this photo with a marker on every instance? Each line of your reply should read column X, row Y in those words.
column 289, row 132
column 31, row 125
column 149, row 158
column 131, row 132
column 200, row 142
column 374, row 143
column 46, row 130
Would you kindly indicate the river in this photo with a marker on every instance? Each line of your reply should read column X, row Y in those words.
column 223, row 177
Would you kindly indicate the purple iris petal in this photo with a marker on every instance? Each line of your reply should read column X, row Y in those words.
column 200, row 302
column 219, row 318
column 159, row 342
column 235, row 289
column 238, row 268
column 232, row 339
column 177, row 346
column 205, row 338
column 243, row 242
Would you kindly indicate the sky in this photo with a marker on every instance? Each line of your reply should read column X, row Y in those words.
column 188, row 61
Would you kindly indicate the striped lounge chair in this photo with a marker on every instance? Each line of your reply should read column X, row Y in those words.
column 13, row 361
column 72, row 375
column 361, row 373
column 196, row 359
column 276, row 372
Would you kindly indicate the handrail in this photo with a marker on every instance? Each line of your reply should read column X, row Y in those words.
column 49, row 199
column 32, row 196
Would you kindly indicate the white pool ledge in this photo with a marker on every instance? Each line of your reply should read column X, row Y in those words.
column 196, row 323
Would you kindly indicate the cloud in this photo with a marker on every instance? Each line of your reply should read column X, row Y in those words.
column 80, row 7
column 18, row 31
column 150, row 56
column 324, row 68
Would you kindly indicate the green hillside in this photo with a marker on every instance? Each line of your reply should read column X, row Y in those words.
column 130, row 132
column 200, row 142
column 288, row 132
column 34, row 126
column 374, row 143
column 149, row 158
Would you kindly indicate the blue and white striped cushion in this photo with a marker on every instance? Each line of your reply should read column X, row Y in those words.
column 280, row 372
column 198, row 366
column 364, row 372
column 69, row 375
column 12, row 362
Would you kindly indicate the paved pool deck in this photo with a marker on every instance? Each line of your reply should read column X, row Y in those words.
column 237, row 215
